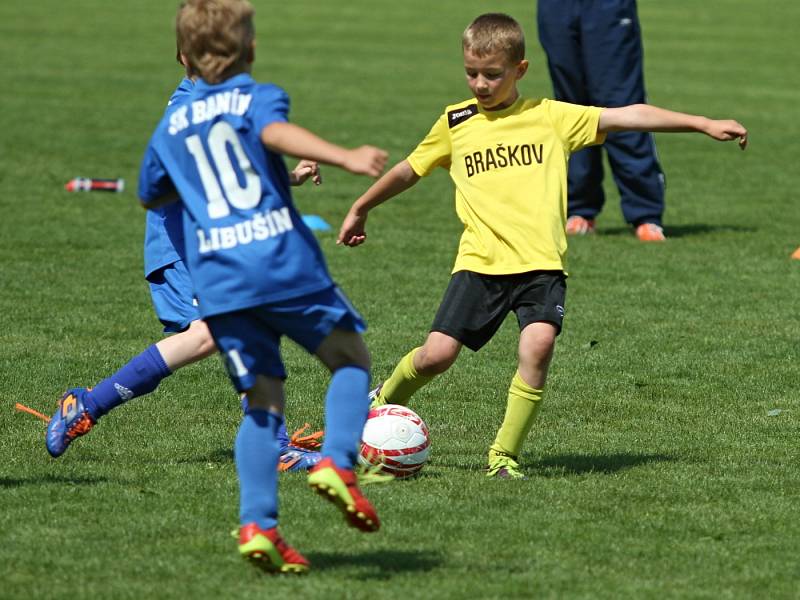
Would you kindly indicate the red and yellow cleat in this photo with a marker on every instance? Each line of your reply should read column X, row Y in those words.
column 268, row 550
column 340, row 487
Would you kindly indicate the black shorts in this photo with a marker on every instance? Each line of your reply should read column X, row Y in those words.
column 475, row 305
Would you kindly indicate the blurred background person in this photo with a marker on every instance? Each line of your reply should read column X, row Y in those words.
column 594, row 55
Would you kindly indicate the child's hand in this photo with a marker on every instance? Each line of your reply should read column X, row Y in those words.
column 352, row 232
column 304, row 170
column 727, row 130
column 366, row 160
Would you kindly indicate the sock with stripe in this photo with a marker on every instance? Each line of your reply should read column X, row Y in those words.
column 140, row 376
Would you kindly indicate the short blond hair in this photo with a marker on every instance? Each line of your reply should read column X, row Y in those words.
column 216, row 37
column 495, row 32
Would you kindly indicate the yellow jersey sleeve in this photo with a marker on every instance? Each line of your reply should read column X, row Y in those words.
column 574, row 124
column 433, row 151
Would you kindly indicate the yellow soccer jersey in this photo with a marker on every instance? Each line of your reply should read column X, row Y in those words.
column 510, row 172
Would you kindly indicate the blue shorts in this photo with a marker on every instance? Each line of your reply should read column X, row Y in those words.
column 173, row 297
column 250, row 339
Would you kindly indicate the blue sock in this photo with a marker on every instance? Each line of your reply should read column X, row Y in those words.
column 346, row 409
column 256, row 455
column 282, row 435
column 140, row 376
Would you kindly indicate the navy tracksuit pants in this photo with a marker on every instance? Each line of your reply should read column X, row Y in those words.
column 594, row 53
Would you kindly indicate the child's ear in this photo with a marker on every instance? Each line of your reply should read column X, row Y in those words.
column 522, row 68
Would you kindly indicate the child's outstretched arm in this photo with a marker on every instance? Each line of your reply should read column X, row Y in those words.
column 644, row 117
column 398, row 179
column 291, row 139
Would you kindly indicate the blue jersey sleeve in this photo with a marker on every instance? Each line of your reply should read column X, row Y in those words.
column 184, row 88
column 270, row 105
column 163, row 234
column 154, row 181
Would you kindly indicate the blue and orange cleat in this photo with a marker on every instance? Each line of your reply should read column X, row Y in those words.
column 310, row 441
column 297, row 459
column 340, row 486
column 268, row 550
column 70, row 421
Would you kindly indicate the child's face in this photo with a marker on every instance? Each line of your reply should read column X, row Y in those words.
column 493, row 79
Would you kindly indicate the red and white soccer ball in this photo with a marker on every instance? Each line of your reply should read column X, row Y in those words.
column 396, row 438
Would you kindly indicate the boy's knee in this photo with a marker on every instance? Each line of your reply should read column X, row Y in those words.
column 344, row 348
column 203, row 341
column 537, row 343
column 435, row 361
column 543, row 346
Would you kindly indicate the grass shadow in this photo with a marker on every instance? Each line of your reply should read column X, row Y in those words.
column 12, row 482
column 579, row 464
column 679, row 231
column 218, row 456
column 225, row 455
column 379, row 564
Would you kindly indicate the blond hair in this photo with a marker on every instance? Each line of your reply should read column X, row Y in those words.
column 495, row 32
column 216, row 37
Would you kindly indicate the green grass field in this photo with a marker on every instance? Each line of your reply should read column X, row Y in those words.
column 665, row 462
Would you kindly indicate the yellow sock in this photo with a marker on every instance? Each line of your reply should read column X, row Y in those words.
column 523, row 404
column 404, row 381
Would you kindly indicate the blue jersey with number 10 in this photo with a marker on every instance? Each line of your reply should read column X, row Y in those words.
column 246, row 243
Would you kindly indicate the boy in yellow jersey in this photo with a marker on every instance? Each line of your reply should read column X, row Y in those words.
column 507, row 156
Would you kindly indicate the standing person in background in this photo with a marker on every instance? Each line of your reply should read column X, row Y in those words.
column 594, row 54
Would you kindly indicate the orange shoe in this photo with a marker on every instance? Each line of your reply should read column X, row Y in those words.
column 650, row 232
column 340, row 486
column 268, row 550
column 796, row 254
column 577, row 225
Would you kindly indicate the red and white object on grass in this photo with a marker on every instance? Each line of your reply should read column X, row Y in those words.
column 396, row 438
column 93, row 184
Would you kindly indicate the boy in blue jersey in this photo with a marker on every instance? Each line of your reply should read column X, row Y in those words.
column 173, row 299
column 256, row 268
